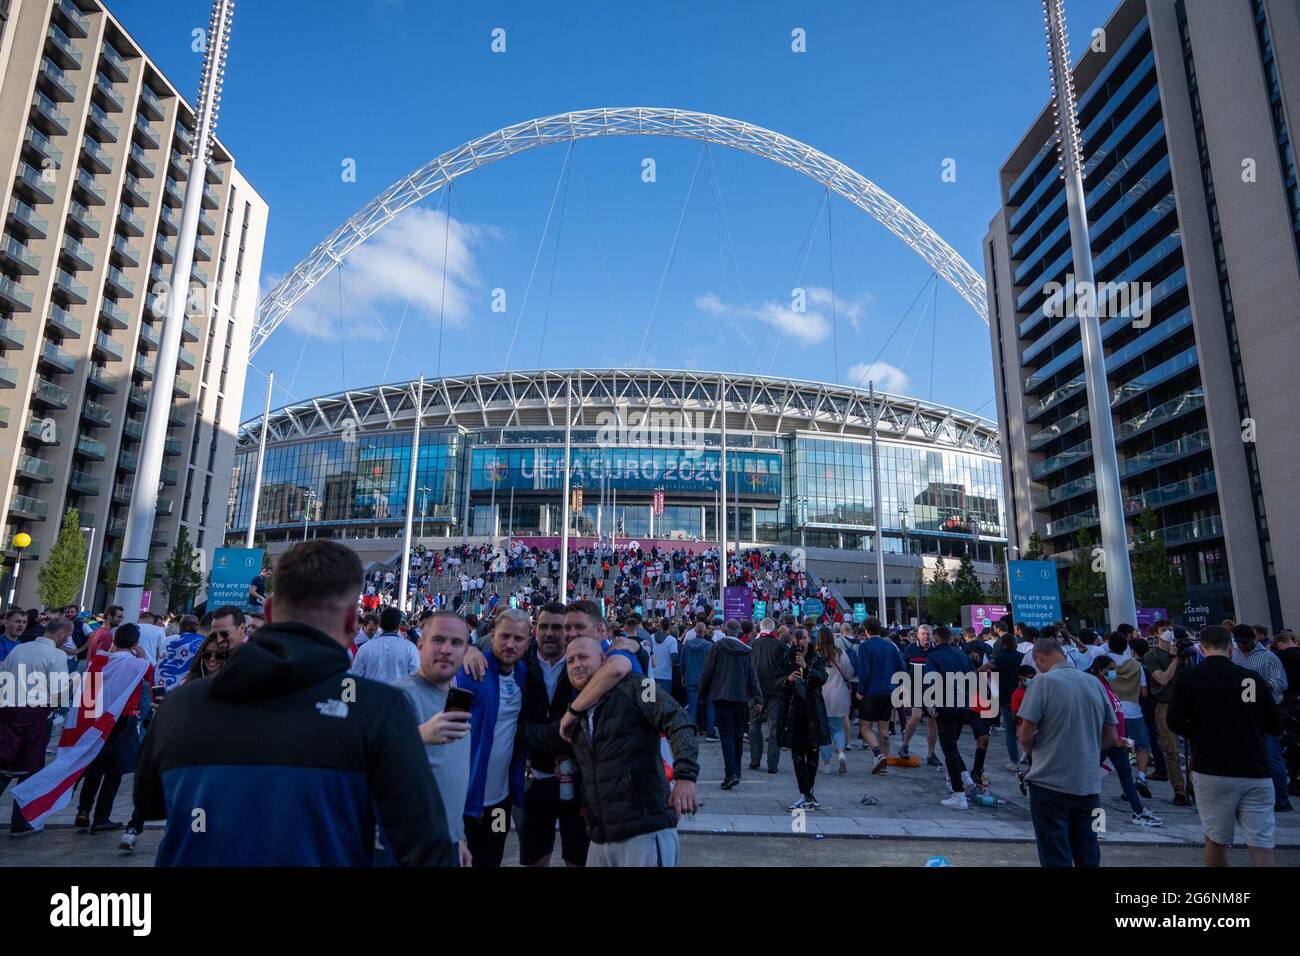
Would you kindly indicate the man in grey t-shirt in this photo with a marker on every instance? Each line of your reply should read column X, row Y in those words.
column 1066, row 721
column 445, row 733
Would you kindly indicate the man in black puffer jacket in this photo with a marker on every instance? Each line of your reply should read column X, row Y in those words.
column 730, row 683
column 631, row 816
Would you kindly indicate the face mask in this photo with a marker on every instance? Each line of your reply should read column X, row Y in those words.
column 1111, row 675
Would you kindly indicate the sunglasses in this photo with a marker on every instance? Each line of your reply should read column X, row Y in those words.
column 224, row 635
column 214, row 655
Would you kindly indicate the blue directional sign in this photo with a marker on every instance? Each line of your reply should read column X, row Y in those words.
column 233, row 570
column 1035, row 597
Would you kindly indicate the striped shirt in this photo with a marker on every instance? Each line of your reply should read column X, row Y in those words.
column 1267, row 665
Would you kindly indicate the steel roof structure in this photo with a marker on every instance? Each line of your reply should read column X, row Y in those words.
column 536, row 399
column 617, row 121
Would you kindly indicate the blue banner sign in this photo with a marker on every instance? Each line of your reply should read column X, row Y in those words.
column 233, row 570
column 1035, row 597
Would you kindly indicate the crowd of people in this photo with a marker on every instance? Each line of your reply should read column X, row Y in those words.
column 424, row 738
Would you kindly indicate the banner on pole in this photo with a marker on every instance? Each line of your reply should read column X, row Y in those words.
column 812, row 607
column 859, row 612
column 760, row 610
column 737, row 604
column 982, row 615
column 233, row 570
column 1035, row 597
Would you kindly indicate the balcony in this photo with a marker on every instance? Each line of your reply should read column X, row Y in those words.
column 197, row 277
column 11, row 337
column 90, row 191
column 103, row 127
column 144, row 367
column 175, row 416
column 214, row 174
column 185, row 138
column 72, row 18
column 94, row 158
column 86, row 225
column 165, row 507
column 48, row 394
column 207, row 226
column 141, row 163
column 39, row 189
column 89, row 448
column 124, row 253
column 169, row 222
column 24, row 216
column 148, row 338
column 172, row 447
column 169, row 476
column 56, row 360
column 185, row 359
column 1084, row 519
column 109, row 98
column 18, row 257
column 189, row 332
column 182, row 388
column 128, row 461
column 209, row 198
column 4, row 416
column 116, row 527
column 43, row 147
column 173, row 195
column 113, row 315
column 138, row 397
column 132, row 224
column 122, row 493
column 83, row 484
column 64, row 322
column 8, row 376
column 145, row 133
column 1193, row 487
column 119, row 283
column 106, row 349
column 70, row 287
column 1201, row 529
column 101, row 381
column 134, row 191
column 62, row 50
column 43, row 430
column 150, row 104
column 1163, row 454
column 133, row 428
column 176, row 165
column 63, row 88
column 163, row 248
column 1190, row 401
column 14, row 295
column 37, row 469
column 97, row 414
column 47, row 116
column 202, row 251
column 78, row 254
column 113, row 64
column 32, row 508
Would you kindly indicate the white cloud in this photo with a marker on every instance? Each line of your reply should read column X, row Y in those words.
column 808, row 328
column 888, row 378
column 851, row 309
column 400, row 263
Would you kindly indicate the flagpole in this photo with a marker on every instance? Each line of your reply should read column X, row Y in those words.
column 410, row 497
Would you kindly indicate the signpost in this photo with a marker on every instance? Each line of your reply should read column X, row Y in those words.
column 981, row 616
column 1148, row 616
column 1035, row 597
column 812, row 607
column 859, row 612
column 760, row 610
column 233, row 570
column 737, row 604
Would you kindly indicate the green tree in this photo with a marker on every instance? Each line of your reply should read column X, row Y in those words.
column 59, row 581
column 966, row 586
column 1156, row 582
column 941, row 599
column 1085, row 587
column 1034, row 551
column 998, row 589
column 180, row 580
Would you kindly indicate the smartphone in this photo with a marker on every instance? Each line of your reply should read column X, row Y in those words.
column 458, row 698
column 157, row 692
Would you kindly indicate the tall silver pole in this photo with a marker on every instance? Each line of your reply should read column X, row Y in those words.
column 410, row 496
column 1105, row 461
column 261, row 459
column 144, row 495
column 722, row 496
column 876, row 510
column 564, row 503
column 85, row 581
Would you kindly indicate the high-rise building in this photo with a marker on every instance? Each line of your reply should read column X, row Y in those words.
column 1185, row 108
column 94, row 153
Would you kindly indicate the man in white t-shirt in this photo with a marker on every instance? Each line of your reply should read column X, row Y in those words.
column 663, row 655
column 152, row 636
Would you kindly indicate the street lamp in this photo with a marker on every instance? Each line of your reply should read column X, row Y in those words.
column 21, row 541
column 802, row 501
column 424, row 506
column 310, row 499
column 90, row 546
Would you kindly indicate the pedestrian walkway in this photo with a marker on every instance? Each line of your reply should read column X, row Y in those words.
column 908, row 803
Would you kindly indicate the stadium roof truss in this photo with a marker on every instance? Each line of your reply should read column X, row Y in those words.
column 617, row 121
column 536, row 400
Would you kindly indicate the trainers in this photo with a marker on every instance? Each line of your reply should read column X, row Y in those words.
column 933, row 761
column 968, row 783
column 844, row 765
column 811, row 804
column 955, row 802
column 129, row 836
column 1147, row 819
column 797, row 805
column 1010, row 767
column 879, row 763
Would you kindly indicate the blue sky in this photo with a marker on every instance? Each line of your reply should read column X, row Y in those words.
column 892, row 89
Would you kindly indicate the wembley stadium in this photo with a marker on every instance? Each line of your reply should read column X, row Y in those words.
column 645, row 464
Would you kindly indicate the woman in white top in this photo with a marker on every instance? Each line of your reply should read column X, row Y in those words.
column 836, row 694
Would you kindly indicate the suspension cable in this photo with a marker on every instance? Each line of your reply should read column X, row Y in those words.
column 830, row 256
column 863, row 377
column 411, row 295
column 555, row 258
column 600, row 245
column 795, row 277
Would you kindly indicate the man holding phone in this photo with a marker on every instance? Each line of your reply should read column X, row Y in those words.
column 443, row 715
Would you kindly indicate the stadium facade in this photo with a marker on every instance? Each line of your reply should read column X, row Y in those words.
column 491, row 462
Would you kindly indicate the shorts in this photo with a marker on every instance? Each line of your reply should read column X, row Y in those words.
column 1228, row 803
column 647, row 849
column 1135, row 728
column 875, row 707
column 979, row 727
column 543, row 809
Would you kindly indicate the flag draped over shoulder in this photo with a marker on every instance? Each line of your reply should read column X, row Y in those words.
column 109, row 682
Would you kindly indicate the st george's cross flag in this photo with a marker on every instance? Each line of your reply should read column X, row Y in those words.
column 110, row 681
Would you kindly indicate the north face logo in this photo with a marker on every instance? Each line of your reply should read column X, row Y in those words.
column 332, row 708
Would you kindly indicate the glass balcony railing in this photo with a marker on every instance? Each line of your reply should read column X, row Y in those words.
column 108, row 349
column 207, row 225
column 65, row 322
column 169, row 476
column 1074, row 522
column 52, row 119
column 14, row 295
column 78, row 253
column 165, row 507
column 133, row 189
column 99, row 378
column 1162, row 454
column 65, row 88
column 19, row 257
column 72, row 18
column 90, row 448
column 144, row 366
column 38, row 187
column 101, row 124
column 114, row 63
column 138, row 397
column 47, row 393
column 83, row 484
column 113, row 315
column 11, row 336
column 1072, row 488
column 119, row 282
column 96, row 158
column 104, row 88
column 44, row 430
column 126, row 252
column 172, row 447
column 26, row 507
column 169, row 222
column 132, row 224
column 141, row 161
column 1170, row 493
column 61, row 360
column 146, row 133
column 97, row 414
column 128, row 461
column 122, row 492
column 148, row 338
column 150, row 103
column 1199, row 530
column 94, row 193
column 182, row 388
column 86, row 224
column 37, row 469
column 8, row 375
column 1057, row 429
column 43, row 146
column 189, row 332
column 1068, row 457
column 1189, row 401
column 26, row 216
column 185, row 359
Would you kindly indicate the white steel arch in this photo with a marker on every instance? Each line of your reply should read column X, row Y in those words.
column 618, row 121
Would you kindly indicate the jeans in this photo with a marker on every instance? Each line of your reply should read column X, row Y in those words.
column 951, row 722
column 1149, row 718
column 1063, row 827
column 1009, row 728
column 837, row 738
column 1119, row 757
column 768, row 719
column 1168, row 744
column 1273, row 747
column 700, row 711
column 731, row 728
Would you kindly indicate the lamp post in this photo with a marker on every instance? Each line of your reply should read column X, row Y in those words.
column 309, row 500
column 801, row 502
column 21, row 541
column 424, row 506
column 90, row 546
